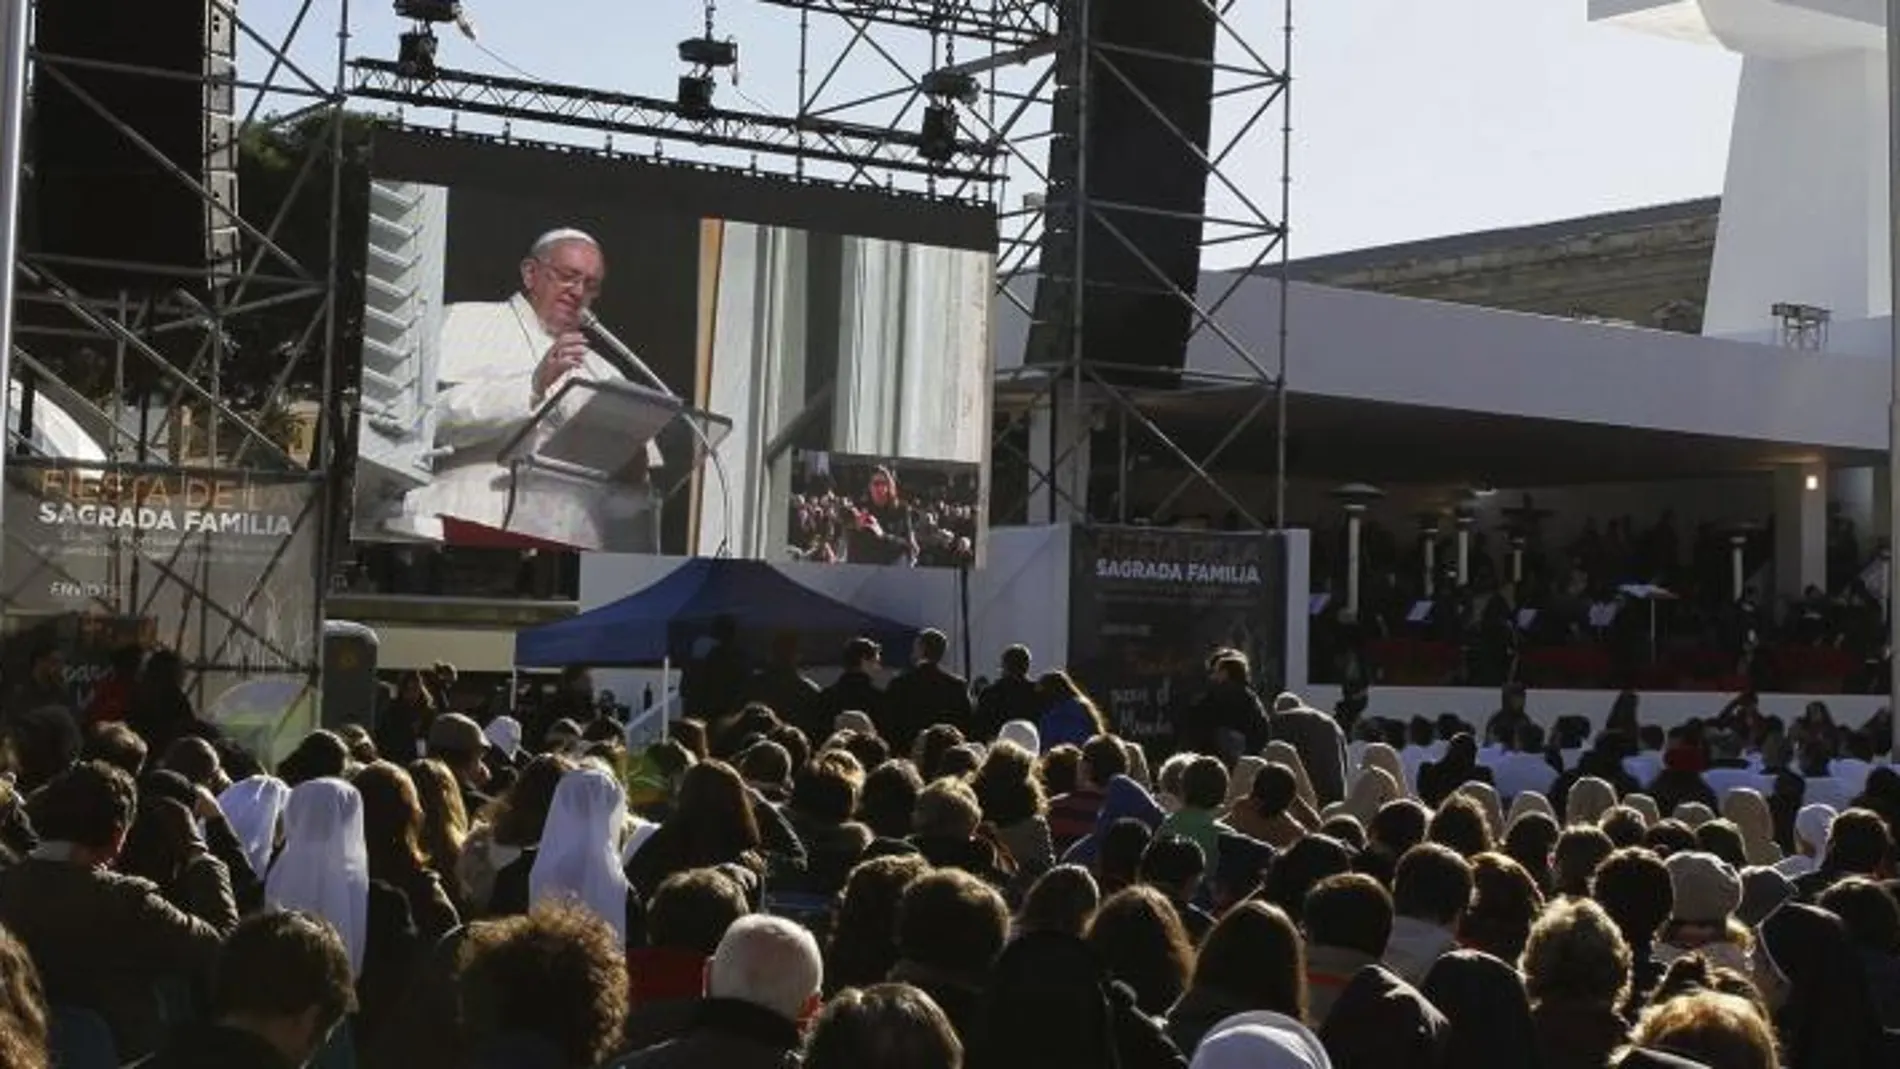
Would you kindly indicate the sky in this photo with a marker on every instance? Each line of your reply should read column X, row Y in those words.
column 1411, row 120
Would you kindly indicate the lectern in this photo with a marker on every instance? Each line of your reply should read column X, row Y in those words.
column 626, row 447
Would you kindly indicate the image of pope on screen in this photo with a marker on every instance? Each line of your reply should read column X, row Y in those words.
column 497, row 366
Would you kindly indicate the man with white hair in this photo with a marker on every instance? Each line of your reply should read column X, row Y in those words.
column 763, row 984
column 499, row 362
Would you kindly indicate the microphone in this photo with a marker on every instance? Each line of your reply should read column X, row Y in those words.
column 628, row 362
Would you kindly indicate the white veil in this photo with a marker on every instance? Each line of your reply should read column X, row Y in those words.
column 324, row 866
column 504, row 733
column 579, row 856
column 253, row 806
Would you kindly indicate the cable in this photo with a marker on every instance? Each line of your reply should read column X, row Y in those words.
column 503, row 60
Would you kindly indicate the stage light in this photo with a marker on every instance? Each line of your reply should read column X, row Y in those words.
column 695, row 97
column 945, row 86
column 415, row 55
column 703, row 55
column 710, row 54
column 429, row 10
column 939, row 134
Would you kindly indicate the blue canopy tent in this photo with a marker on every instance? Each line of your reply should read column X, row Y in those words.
column 661, row 623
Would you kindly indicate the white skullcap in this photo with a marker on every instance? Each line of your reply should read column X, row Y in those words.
column 546, row 242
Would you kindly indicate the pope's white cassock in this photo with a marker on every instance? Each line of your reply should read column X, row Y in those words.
column 485, row 396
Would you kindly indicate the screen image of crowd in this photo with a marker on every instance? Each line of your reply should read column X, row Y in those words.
column 864, row 510
column 908, row 870
column 506, row 305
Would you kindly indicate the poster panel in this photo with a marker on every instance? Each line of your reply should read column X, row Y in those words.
column 220, row 567
column 1147, row 605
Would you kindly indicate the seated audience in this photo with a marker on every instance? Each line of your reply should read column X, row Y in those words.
column 1431, row 890
column 1348, row 920
column 1252, row 960
column 885, row 1026
column 282, row 985
column 950, row 928
column 1576, row 971
column 763, row 984
column 545, row 989
column 685, row 920
column 102, row 941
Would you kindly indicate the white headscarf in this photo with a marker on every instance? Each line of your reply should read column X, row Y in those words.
column 324, row 866
column 504, row 734
column 252, row 807
column 1022, row 733
column 1812, row 825
column 579, row 856
column 1260, row 1040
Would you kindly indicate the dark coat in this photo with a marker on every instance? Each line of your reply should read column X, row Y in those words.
column 851, row 690
column 1009, row 698
column 1576, row 1035
column 960, row 996
column 1051, row 1005
column 216, row 1047
column 729, row 1034
column 1382, row 1022
column 1224, row 708
column 831, row 852
column 103, row 941
column 785, row 690
column 1198, row 1011
column 920, row 698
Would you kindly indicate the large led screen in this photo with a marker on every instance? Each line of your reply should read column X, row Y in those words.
column 573, row 352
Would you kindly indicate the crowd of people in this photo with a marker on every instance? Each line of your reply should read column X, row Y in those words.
column 851, row 511
column 1645, row 593
column 904, row 875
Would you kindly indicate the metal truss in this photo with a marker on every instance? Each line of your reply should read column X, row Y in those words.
column 1012, row 23
column 864, row 147
column 193, row 373
column 1252, row 73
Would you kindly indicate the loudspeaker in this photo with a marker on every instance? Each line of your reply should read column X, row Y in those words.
column 100, row 195
column 1133, row 137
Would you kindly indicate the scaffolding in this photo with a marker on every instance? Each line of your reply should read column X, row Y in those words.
column 956, row 100
column 228, row 376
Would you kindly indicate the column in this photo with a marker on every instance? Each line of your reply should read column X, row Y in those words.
column 1466, row 519
column 1059, row 483
column 1800, row 494
column 1353, row 524
column 1428, row 543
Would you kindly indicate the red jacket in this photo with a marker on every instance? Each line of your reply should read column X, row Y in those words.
column 662, row 974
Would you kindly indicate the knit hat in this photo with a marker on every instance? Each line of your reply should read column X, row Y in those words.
column 1707, row 889
column 1763, row 891
column 1022, row 733
column 457, row 734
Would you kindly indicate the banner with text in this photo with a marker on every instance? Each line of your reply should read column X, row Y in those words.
column 1147, row 605
column 218, row 567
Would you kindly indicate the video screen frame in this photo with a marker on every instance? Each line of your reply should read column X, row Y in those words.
column 677, row 207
